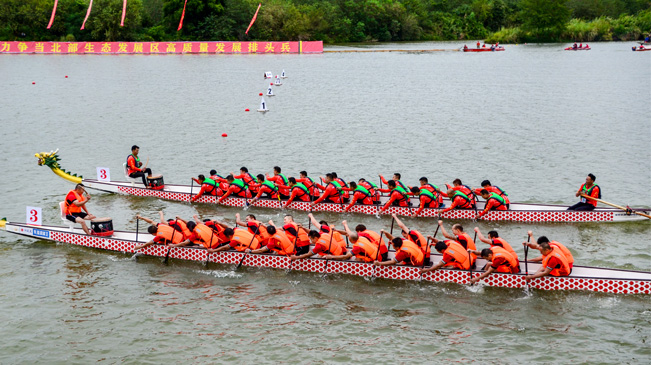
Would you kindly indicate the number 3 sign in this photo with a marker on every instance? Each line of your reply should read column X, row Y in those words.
column 34, row 216
column 103, row 174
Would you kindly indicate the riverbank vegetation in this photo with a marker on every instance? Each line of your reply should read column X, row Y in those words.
column 333, row 21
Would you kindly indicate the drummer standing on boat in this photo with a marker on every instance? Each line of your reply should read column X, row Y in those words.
column 134, row 166
column 74, row 204
column 590, row 189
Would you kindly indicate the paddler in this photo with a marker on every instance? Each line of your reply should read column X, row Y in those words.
column 415, row 237
column 208, row 186
column 361, row 195
column 236, row 187
column 457, row 185
column 179, row 226
column 590, row 189
column 373, row 237
column 558, row 264
column 396, row 177
column 309, row 184
column 398, row 196
column 494, row 240
column 75, row 202
column 163, row 233
column 325, row 228
column 493, row 202
column 454, row 255
column 370, row 186
column 239, row 239
column 363, row 249
column 426, row 199
column 459, row 236
column 486, row 184
column 324, row 244
column 407, row 252
column 248, row 179
column 500, row 261
column 135, row 168
column 266, row 187
column 254, row 227
column 331, row 191
column 344, row 187
column 278, row 243
column 298, row 191
column 201, row 235
column 296, row 234
column 280, row 179
column 459, row 201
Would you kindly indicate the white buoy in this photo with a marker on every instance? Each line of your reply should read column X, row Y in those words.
column 278, row 83
column 270, row 91
column 282, row 75
column 268, row 75
column 263, row 106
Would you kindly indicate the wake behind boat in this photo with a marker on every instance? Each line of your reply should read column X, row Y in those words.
column 582, row 278
column 518, row 212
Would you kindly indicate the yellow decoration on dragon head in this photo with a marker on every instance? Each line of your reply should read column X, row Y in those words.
column 51, row 160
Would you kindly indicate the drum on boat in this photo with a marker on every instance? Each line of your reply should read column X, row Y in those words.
column 102, row 226
column 155, row 182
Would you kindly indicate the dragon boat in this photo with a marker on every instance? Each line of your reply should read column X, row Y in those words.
column 578, row 49
column 484, row 49
column 582, row 278
column 518, row 212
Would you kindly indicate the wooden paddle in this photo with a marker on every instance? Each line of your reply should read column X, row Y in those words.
column 212, row 234
column 257, row 230
column 167, row 255
column 526, row 264
column 137, row 227
column 470, row 260
column 379, row 244
column 191, row 187
column 627, row 210
column 325, row 269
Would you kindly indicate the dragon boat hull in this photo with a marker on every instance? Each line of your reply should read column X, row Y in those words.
column 483, row 49
column 519, row 212
column 582, row 278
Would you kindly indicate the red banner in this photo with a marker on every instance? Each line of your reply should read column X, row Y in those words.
column 160, row 47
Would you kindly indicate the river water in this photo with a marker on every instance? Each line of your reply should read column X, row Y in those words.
column 534, row 119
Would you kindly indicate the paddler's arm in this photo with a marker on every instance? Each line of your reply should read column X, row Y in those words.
column 388, row 203
column 238, row 221
column 310, row 216
column 352, row 202
column 303, row 256
column 348, row 232
column 420, row 208
column 433, row 267
column 541, row 272
column 226, row 194
column 138, row 247
column 260, row 250
column 339, row 257
column 481, row 236
column 385, row 263
column 180, row 244
column 383, row 180
column 291, row 197
column 400, row 224
column 146, row 220
column 445, row 233
column 483, row 275
column 389, row 236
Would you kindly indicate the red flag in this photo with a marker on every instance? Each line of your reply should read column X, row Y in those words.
column 253, row 20
column 182, row 16
column 54, row 12
column 90, row 6
column 124, row 12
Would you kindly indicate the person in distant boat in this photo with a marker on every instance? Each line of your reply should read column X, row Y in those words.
column 556, row 258
column 500, row 261
column 407, row 252
column 575, row 46
column 360, row 194
column 208, row 187
column 135, row 168
column 465, row 46
column 248, row 179
column 331, row 191
column 396, row 178
column 478, row 44
column 494, row 240
column 265, row 187
column 590, row 189
column 493, row 202
column 280, row 179
column 298, row 191
column 236, row 187
column 398, row 197
column 415, row 237
column 75, row 207
column 486, row 184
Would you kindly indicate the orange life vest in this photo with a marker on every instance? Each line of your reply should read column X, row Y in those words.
column 244, row 239
column 512, row 266
column 565, row 269
column 181, row 227
column 169, row 234
column 413, row 250
column 565, row 251
column 205, row 236
column 500, row 242
column 282, row 244
column 470, row 244
column 71, row 208
column 303, row 239
column 420, row 241
column 333, row 247
column 459, row 253
column 375, row 238
column 369, row 250
column 262, row 234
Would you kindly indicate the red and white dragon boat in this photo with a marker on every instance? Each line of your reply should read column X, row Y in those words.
column 518, row 212
column 582, row 278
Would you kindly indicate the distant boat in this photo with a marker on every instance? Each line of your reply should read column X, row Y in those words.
column 586, row 48
column 484, row 49
column 270, row 91
column 282, row 75
column 268, row 75
column 641, row 49
column 278, row 83
column 263, row 106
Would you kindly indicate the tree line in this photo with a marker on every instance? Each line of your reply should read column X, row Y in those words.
column 333, row 21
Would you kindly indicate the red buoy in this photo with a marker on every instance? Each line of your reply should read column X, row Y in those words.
column 66, row 76
column 33, row 83
column 224, row 135
column 246, row 110
column 260, row 94
column 271, row 83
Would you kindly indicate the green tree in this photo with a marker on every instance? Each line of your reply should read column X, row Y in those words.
column 104, row 22
column 546, row 19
